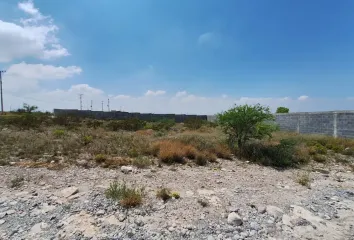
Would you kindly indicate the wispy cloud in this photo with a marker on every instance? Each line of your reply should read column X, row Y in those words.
column 210, row 39
column 181, row 94
column 154, row 93
column 303, row 98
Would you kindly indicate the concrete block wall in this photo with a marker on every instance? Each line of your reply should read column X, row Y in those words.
column 334, row 123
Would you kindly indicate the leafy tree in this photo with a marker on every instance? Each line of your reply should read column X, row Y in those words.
column 244, row 122
column 26, row 108
column 282, row 110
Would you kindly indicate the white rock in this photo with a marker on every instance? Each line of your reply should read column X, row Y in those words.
column 67, row 192
column 287, row 220
column 261, row 209
column 10, row 212
column 274, row 211
column 100, row 212
column 2, row 222
column 234, row 219
column 2, row 215
column 126, row 169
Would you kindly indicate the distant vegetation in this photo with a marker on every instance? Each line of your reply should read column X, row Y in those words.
column 282, row 110
column 246, row 131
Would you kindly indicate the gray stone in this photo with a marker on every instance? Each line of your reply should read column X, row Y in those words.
column 100, row 212
column 234, row 219
column 254, row 226
column 261, row 209
column 274, row 211
column 67, row 192
column 2, row 215
column 2, row 222
column 10, row 212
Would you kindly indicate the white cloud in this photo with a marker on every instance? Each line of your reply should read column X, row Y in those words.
column 34, row 36
column 155, row 93
column 303, row 98
column 224, row 96
column 181, row 94
column 210, row 39
column 122, row 96
column 28, row 7
column 85, row 89
column 26, row 77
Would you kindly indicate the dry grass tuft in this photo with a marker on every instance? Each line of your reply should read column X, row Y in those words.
column 304, row 179
column 127, row 197
column 172, row 151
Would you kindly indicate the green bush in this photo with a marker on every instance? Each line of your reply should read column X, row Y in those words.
column 164, row 194
column 161, row 125
column 319, row 158
column 100, row 158
column 193, row 123
column 242, row 123
column 282, row 155
column 282, row 110
column 131, row 124
column 92, row 123
column 320, row 149
column 58, row 133
column 87, row 140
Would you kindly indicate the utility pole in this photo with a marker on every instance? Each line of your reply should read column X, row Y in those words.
column 2, row 100
column 91, row 105
column 81, row 100
column 102, row 106
column 108, row 105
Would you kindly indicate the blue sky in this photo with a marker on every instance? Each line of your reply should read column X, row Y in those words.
column 215, row 53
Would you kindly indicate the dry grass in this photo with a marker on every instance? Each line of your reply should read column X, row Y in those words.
column 172, row 151
column 127, row 196
column 17, row 182
column 304, row 179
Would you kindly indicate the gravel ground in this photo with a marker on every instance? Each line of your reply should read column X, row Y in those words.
column 245, row 201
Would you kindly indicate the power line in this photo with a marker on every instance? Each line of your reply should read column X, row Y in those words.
column 81, row 100
column 2, row 100
column 102, row 106
column 108, row 105
column 91, row 105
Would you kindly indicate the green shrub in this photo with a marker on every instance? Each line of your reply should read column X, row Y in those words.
column 349, row 151
column 201, row 160
column 242, row 123
column 319, row 158
column 127, row 197
column 175, row 195
column 161, row 125
column 92, row 123
column 193, row 123
column 320, row 149
column 100, row 158
column 58, row 133
column 142, row 162
column 164, row 194
column 282, row 155
column 282, row 110
column 131, row 124
column 87, row 140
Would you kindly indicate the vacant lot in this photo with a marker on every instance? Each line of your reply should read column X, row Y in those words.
column 87, row 179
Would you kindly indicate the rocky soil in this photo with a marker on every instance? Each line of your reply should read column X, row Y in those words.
column 244, row 201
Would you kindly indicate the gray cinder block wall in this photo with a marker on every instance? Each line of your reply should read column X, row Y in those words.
column 334, row 123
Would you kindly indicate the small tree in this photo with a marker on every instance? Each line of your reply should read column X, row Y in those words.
column 282, row 110
column 242, row 123
column 28, row 108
